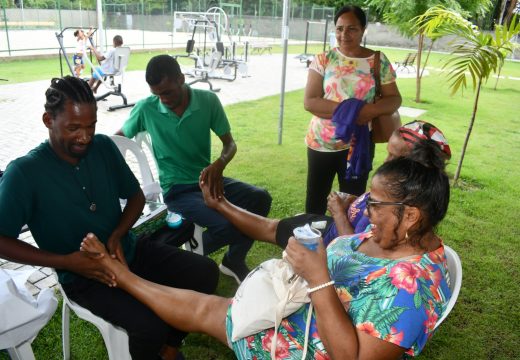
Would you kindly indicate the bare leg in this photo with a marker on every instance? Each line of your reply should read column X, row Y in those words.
column 252, row 225
column 185, row 310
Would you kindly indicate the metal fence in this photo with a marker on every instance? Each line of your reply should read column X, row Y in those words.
column 148, row 25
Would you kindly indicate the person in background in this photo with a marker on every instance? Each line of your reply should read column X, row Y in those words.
column 81, row 50
column 344, row 72
column 107, row 65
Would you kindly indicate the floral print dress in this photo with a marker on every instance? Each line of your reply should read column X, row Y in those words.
column 343, row 78
column 398, row 301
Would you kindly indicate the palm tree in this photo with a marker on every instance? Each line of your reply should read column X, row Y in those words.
column 475, row 53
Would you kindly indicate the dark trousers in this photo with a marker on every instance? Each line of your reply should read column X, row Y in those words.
column 322, row 167
column 188, row 200
column 157, row 262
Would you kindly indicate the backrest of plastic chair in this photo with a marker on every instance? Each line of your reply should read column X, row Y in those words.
column 455, row 280
column 121, row 57
column 151, row 188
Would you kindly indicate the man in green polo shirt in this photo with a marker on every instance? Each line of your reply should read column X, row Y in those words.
column 180, row 120
column 69, row 186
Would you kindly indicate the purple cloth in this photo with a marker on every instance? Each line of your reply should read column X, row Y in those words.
column 345, row 116
column 356, row 217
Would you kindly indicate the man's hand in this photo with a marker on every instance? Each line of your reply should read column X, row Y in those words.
column 88, row 265
column 116, row 250
column 212, row 176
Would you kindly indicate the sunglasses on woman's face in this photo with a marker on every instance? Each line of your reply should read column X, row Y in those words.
column 371, row 202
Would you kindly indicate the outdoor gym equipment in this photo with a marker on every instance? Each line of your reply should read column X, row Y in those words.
column 211, row 61
column 306, row 57
column 121, row 57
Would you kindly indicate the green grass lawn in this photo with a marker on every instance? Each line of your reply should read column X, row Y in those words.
column 481, row 224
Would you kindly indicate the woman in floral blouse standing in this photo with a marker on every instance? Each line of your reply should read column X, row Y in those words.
column 344, row 72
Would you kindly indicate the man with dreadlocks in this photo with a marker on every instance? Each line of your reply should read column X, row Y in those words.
column 69, row 186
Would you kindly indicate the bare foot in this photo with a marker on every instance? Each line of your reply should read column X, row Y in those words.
column 92, row 244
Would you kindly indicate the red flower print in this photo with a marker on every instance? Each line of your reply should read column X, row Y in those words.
column 394, row 337
column 287, row 325
column 368, row 328
column 363, row 86
column 431, row 321
column 282, row 346
column 318, row 355
column 376, row 274
column 345, row 297
column 404, row 276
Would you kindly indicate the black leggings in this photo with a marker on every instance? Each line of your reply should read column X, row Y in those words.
column 322, row 167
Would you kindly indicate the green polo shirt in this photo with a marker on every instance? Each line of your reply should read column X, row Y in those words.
column 45, row 192
column 181, row 145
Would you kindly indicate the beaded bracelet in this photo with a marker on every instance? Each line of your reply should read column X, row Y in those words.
column 319, row 287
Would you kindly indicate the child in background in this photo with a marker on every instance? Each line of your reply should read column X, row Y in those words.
column 81, row 48
column 107, row 67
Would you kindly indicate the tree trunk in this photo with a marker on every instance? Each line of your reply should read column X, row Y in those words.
column 427, row 57
column 468, row 134
column 498, row 75
column 502, row 10
column 418, row 76
column 510, row 9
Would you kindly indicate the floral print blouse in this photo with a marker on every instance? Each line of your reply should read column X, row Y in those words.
column 343, row 78
column 398, row 301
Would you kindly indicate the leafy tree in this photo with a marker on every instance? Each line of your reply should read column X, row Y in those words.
column 400, row 13
column 474, row 52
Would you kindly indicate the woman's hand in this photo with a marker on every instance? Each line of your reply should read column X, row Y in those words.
column 310, row 265
column 338, row 203
column 212, row 177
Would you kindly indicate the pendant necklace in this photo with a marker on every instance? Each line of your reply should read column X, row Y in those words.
column 92, row 207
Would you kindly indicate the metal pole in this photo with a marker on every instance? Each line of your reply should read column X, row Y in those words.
column 99, row 13
column 23, row 17
column 325, row 36
column 142, row 19
column 285, row 39
column 6, row 30
column 59, row 14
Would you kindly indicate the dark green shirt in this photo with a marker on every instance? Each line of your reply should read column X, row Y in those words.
column 45, row 192
column 181, row 145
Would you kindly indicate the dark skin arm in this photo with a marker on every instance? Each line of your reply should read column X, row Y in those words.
column 337, row 205
column 212, row 174
column 315, row 103
column 78, row 262
column 131, row 212
column 339, row 335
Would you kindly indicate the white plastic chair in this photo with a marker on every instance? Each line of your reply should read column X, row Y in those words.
column 151, row 188
column 143, row 140
column 455, row 280
column 115, row 338
column 121, row 57
column 22, row 351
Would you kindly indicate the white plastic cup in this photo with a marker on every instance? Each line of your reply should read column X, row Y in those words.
column 307, row 236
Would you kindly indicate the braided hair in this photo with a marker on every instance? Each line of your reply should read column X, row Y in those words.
column 67, row 88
